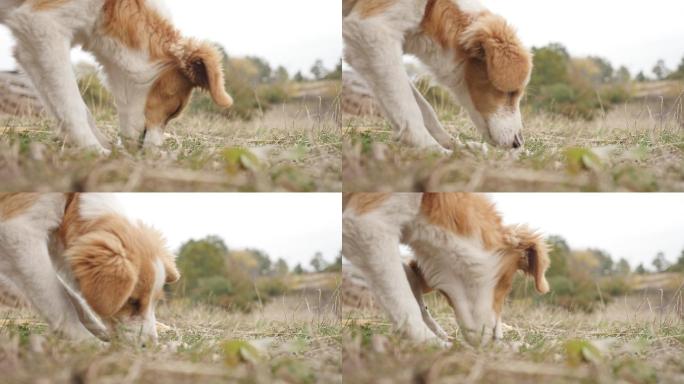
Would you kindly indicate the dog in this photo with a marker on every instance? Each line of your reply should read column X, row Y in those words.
column 462, row 250
column 150, row 68
column 474, row 53
column 82, row 265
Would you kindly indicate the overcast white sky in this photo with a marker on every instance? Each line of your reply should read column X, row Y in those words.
column 631, row 225
column 634, row 33
column 293, row 33
column 291, row 226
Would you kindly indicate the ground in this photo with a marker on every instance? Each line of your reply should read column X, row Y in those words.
column 293, row 339
column 638, row 339
column 294, row 147
column 633, row 147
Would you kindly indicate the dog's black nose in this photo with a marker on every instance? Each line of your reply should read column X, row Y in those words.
column 518, row 141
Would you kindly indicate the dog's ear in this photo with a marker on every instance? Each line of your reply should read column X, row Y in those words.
column 201, row 62
column 490, row 39
column 172, row 274
column 105, row 274
column 534, row 255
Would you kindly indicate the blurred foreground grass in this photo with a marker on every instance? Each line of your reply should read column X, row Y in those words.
column 634, row 340
column 291, row 340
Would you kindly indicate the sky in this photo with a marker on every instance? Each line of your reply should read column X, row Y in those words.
column 630, row 225
column 634, row 33
column 291, row 226
column 292, row 33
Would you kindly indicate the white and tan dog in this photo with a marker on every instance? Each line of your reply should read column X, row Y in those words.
column 475, row 54
column 69, row 255
column 150, row 68
column 462, row 250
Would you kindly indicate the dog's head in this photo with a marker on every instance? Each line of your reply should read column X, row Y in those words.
column 155, row 69
column 497, row 69
column 492, row 68
column 474, row 262
column 121, row 269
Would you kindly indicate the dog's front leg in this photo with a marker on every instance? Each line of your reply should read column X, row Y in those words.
column 417, row 287
column 28, row 265
column 44, row 53
column 431, row 120
column 375, row 52
column 375, row 251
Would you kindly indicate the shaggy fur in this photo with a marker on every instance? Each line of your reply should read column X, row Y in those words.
column 462, row 249
column 102, row 262
column 472, row 52
column 150, row 68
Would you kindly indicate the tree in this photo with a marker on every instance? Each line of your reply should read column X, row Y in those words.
column 679, row 265
column 298, row 77
column 679, row 73
column 199, row 259
column 622, row 267
column 660, row 262
column 281, row 268
column 298, row 270
column 660, row 70
column 558, row 253
column 623, row 75
column 550, row 65
column 318, row 70
column 281, row 74
column 264, row 262
column 640, row 269
column 317, row 262
column 640, row 77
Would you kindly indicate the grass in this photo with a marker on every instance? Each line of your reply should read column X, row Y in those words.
column 633, row 147
column 629, row 341
column 293, row 339
column 294, row 147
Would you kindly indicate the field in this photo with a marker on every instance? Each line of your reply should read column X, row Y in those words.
column 638, row 146
column 293, row 339
column 293, row 147
column 635, row 339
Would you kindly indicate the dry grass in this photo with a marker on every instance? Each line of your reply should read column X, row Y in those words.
column 294, row 147
column 635, row 147
column 634, row 340
column 293, row 339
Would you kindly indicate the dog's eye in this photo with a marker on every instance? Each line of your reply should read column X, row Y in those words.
column 135, row 304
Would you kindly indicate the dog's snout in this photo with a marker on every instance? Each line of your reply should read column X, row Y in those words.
column 518, row 141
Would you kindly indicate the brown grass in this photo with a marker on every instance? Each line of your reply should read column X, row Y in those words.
column 634, row 147
column 294, row 147
column 293, row 339
column 638, row 339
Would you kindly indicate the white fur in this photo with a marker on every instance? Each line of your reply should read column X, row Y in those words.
column 374, row 47
column 44, row 41
column 458, row 266
column 94, row 205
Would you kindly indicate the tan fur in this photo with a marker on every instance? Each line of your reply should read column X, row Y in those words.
column 497, row 65
column 526, row 251
column 46, row 5
column 491, row 39
column 190, row 63
column 363, row 203
column 14, row 204
column 168, row 97
column 444, row 22
column 366, row 8
column 113, row 261
column 465, row 214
